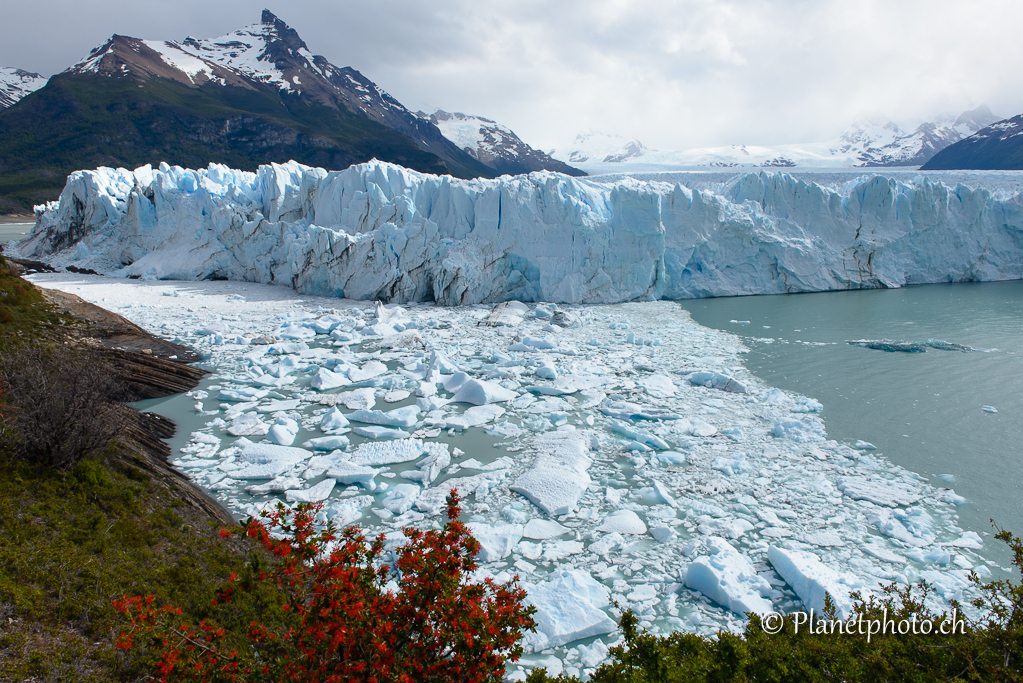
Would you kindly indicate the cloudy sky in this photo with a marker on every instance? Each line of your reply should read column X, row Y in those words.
column 674, row 74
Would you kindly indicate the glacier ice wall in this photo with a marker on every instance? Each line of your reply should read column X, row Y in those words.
column 379, row 231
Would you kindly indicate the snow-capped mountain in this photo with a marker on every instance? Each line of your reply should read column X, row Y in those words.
column 16, row 83
column 594, row 147
column 270, row 53
column 871, row 140
column 996, row 147
column 495, row 145
column 254, row 96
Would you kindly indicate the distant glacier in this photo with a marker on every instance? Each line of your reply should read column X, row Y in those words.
column 380, row 231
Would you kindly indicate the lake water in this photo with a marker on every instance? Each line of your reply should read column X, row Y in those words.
column 923, row 411
column 14, row 231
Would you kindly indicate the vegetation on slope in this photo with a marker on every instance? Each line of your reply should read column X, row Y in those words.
column 81, row 121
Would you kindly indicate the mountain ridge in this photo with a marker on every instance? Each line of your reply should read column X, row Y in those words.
column 251, row 97
column 496, row 145
column 995, row 147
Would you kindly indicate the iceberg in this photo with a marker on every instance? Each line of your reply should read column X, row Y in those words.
column 811, row 580
column 377, row 231
column 569, row 606
column 728, row 578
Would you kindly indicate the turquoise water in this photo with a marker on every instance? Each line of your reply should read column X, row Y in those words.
column 14, row 231
column 923, row 411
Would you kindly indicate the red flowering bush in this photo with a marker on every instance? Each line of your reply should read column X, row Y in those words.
column 348, row 616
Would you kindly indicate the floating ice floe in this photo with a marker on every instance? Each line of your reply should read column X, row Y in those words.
column 558, row 477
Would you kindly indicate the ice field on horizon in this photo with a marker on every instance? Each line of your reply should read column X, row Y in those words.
column 619, row 452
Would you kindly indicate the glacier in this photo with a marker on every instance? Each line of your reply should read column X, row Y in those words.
column 380, row 231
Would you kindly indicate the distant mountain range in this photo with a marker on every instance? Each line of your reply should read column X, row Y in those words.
column 253, row 96
column 871, row 141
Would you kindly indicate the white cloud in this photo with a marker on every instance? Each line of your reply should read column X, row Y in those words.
column 674, row 74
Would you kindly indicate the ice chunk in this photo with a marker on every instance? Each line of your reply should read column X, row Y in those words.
column 381, row 432
column 558, row 477
column 480, row 392
column 728, row 578
column 949, row 585
column 247, row 424
column 399, row 417
column 569, row 606
column 433, row 499
column 663, row 534
column 556, row 551
column 401, row 498
column 283, row 431
column 542, row 529
column 607, row 543
column 475, row 416
column 658, row 386
column 633, row 411
column 803, row 430
column 348, row 510
column 242, row 395
column 359, row 399
column 327, row 443
column 879, row 491
column 668, row 458
column 730, row 466
column 388, row 452
column 912, row 527
column 729, row 528
column 326, row 380
column 970, row 539
column 717, row 380
column 623, row 522
column 313, row 494
column 369, row 370
column 811, row 580
column 496, row 541
column 506, row 314
column 296, row 332
column 275, row 406
column 640, row 435
column 276, row 485
column 432, row 464
column 890, row 345
column 266, row 461
column 332, row 420
column 348, row 473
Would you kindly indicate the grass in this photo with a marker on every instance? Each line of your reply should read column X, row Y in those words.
column 23, row 313
column 71, row 542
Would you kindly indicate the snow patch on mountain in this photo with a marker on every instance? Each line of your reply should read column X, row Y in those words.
column 380, row 231
column 493, row 144
column 16, row 83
